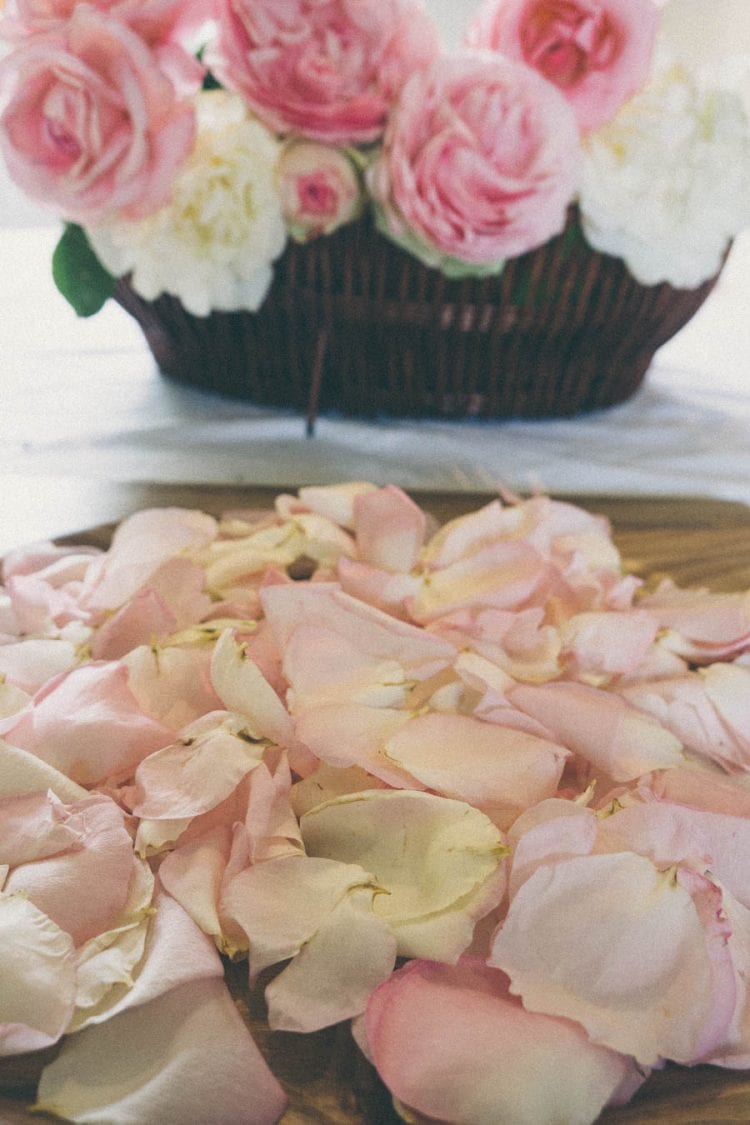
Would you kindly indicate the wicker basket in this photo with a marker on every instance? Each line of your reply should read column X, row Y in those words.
column 355, row 325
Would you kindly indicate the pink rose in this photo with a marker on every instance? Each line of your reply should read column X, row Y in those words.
column 91, row 125
column 162, row 24
column 319, row 187
column 328, row 69
column 598, row 52
column 479, row 160
column 154, row 19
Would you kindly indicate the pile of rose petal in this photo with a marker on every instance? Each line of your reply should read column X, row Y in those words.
column 470, row 788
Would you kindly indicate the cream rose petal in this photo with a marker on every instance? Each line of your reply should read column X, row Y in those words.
column 175, row 952
column 439, row 861
column 185, row 1056
column 22, row 772
column 334, row 501
column 332, row 976
column 282, row 903
column 28, row 663
column 109, row 960
column 37, row 977
column 243, row 688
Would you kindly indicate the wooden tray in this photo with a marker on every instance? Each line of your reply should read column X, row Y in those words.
column 696, row 541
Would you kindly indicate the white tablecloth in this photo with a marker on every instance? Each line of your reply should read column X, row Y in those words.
column 82, row 398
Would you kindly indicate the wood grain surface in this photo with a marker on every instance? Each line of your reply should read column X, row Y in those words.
column 699, row 543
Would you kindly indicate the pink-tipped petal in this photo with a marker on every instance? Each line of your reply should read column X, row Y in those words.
column 451, row 1042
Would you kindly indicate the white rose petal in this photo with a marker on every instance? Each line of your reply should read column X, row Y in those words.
column 652, row 192
column 37, row 977
column 214, row 244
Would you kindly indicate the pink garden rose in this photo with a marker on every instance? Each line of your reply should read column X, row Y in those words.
column 328, row 69
column 162, row 24
column 90, row 123
column 479, row 161
column 598, row 52
column 160, row 16
column 319, row 187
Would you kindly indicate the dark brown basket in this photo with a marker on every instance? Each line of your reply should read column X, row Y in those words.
column 353, row 324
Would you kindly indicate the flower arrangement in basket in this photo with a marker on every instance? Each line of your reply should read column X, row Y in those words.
column 315, row 203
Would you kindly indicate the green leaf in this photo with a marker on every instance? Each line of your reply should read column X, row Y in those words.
column 78, row 273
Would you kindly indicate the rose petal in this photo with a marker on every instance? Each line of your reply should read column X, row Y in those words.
column 37, row 977
column 186, row 1056
column 601, row 727
column 334, row 973
column 623, row 949
column 491, row 767
column 440, row 862
column 451, row 1042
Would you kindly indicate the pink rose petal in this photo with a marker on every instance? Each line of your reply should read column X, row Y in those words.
column 636, row 955
column 451, row 1042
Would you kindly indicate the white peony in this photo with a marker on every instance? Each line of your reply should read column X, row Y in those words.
column 666, row 183
column 213, row 246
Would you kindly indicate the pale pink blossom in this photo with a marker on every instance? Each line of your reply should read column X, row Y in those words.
column 323, row 69
column 597, row 52
column 165, row 26
column 319, row 186
column 479, row 162
column 452, row 1042
column 91, row 125
column 155, row 20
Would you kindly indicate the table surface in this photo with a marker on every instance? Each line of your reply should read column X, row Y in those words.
column 86, row 414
